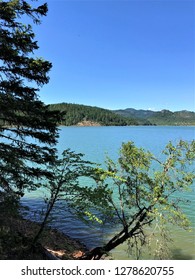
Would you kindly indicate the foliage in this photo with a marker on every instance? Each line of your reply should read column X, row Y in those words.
column 74, row 113
column 9, row 205
column 143, row 198
column 66, row 187
column 27, row 128
column 139, row 194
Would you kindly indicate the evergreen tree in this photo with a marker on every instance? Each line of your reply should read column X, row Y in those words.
column 28, row 129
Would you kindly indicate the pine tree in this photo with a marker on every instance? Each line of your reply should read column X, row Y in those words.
column 28, row 130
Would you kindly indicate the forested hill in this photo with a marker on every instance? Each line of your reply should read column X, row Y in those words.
column 164, row 117
column 74, row 114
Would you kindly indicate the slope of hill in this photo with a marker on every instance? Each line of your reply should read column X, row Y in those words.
column 138, row 114
column 141, row 116
column 74, row 114
column 82, row 115
column 164, row 117
column 173, row 118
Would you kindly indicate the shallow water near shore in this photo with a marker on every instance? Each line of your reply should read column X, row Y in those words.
column 95, row 143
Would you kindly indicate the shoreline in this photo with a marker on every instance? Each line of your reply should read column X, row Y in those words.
column 53, row 244
column 155, row 125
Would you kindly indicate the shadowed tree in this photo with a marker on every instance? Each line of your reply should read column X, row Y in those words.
column 28, row 130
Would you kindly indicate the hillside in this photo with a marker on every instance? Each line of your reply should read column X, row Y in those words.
column 81, row 115
column 164, row 117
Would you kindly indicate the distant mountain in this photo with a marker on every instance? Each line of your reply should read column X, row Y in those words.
column 140, row 114
column 81, row 115
column 164, row 117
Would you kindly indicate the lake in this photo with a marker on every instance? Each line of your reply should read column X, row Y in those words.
column 96, row 143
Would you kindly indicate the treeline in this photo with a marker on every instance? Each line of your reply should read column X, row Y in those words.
column 72, row 114
column 164, row 117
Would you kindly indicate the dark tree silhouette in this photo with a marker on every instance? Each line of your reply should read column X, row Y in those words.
column 28, row 130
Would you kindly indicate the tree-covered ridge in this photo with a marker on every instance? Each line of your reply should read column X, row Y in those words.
column 75, row 113
column 164, row 117
column 173, row 118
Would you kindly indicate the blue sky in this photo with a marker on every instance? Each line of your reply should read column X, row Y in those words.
column 120, row 54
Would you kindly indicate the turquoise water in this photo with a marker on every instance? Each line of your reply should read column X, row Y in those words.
column 96, row 143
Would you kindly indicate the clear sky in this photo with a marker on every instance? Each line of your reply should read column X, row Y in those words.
column 120, row 54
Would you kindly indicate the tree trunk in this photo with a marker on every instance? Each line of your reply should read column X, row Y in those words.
column 126, row 233
column 98, row 252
